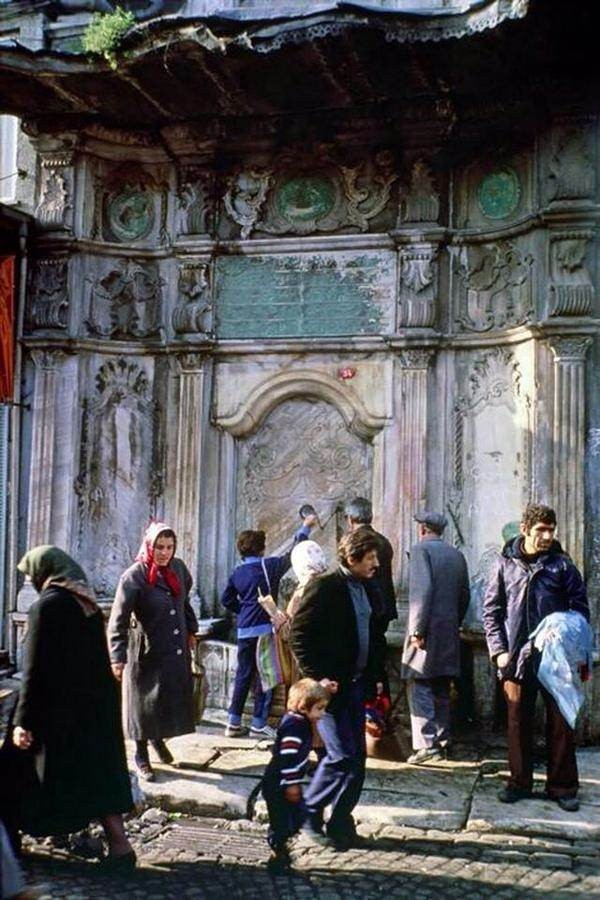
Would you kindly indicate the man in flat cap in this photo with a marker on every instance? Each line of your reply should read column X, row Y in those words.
column 438, row 597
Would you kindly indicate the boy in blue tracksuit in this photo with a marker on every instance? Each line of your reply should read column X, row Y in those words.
column 282, row 781
column 241, row 597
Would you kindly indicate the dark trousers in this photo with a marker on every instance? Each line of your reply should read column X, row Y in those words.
column 340, row 774
column 561, row 774
column 246, row 675
column 285, row 818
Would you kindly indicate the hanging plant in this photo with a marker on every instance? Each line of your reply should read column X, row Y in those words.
column 105, row 33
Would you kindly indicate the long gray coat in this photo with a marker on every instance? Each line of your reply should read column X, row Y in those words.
column 438, row 598
column 157, row 681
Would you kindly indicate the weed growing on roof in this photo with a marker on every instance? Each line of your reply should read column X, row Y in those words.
column 105, row 33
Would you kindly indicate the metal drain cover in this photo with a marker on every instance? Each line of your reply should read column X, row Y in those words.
column 204, row 841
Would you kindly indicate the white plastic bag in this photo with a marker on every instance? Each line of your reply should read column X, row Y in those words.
column 565, row 640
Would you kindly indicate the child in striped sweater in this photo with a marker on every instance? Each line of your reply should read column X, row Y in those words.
column 282, row 782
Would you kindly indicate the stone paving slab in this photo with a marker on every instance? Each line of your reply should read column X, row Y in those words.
column 538, row 816
column 200, row 793
column 241, row 762
column 440, row 801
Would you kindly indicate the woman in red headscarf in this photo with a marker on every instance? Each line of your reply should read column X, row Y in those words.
column 151, row 630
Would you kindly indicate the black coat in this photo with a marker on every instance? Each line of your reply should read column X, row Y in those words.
column 324, row 635
column 157, row 681
column 69, row 701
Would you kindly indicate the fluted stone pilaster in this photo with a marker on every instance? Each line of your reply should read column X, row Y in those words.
column 188, row 449
column 569, row 440
column 412, row 462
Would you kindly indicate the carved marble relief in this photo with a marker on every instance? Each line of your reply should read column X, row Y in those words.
column 418, row 286
column 193, row 313
column 303, row 452
column 244, row 198
column 571, row 287
column 496, row 286
column 195, row 205
column 571, row 171
column 305, row 197
column 419, row 200
column 130, row 205
column 304, row 295
column 117, row 456
column 491, row 451
column 125, row 301
column 49, row 298
column 56, row 191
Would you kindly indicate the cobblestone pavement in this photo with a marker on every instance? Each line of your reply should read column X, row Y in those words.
column 188, row 857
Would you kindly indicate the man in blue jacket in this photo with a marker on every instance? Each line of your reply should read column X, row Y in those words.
column 241, row 597
column 532, row 578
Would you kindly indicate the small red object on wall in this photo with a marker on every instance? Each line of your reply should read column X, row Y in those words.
column 346, row 372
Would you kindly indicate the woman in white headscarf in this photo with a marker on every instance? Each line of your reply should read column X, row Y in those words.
column 308, row 562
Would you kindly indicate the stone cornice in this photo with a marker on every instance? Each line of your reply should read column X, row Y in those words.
column 416, row 339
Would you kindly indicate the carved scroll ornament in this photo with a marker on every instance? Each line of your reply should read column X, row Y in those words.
column 126, row 301
column 497, row 286
column 193, row 314
column 571, row 286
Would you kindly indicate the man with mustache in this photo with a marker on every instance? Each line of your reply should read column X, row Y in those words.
column 532, row 578
column 337, row 638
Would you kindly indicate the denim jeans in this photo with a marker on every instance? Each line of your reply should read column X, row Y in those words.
column 247, row 675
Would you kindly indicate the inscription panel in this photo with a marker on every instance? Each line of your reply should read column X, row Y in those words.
column 304, row 295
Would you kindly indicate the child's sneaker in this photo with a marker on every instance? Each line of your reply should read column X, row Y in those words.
column 236, row 731
column 265, row 732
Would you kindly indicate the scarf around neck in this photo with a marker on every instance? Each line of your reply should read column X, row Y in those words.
column 145, row 555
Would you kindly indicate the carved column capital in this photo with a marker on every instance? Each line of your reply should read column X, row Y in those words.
column 416, row 358
column 572, row 348
column 191, row 363
column 47, row 359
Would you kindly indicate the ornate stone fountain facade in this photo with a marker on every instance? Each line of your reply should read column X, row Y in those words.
column 217, row 332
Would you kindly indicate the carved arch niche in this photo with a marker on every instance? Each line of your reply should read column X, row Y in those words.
column 491, row 461
column 303, row 451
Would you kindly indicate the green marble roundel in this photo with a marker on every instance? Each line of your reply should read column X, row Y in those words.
column 499, row 193
column 130, row 214
column 306, row 197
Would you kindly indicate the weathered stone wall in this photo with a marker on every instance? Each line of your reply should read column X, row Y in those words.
column 215, row 340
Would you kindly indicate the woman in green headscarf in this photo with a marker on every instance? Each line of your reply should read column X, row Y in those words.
column 68, row 712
